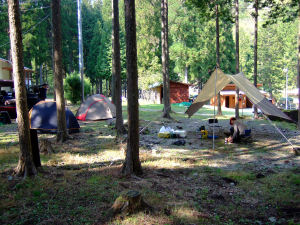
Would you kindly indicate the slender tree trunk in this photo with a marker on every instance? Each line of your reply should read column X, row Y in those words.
column 132, row 162
column 165, row 58
column 116, row 68
column 101, row 88
column 186, row 74
column 71, row 62
column 80, row 47
column 41, row 74
column 255, row 51
column 58, row 75
column 298, row 69
column 25, row 166
column 218, row 54
column 52, row 53
column 237, row 56
column 107, row 87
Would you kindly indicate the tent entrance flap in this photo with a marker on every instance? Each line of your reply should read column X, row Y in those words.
column 243, row 84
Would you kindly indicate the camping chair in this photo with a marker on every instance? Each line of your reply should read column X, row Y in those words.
column 214, row 124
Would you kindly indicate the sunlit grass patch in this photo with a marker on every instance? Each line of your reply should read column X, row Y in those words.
column 142, row 218
column 8, row 139
column 185, row 214
column 164, row 163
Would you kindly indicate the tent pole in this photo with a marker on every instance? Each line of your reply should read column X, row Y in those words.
column 215, row 108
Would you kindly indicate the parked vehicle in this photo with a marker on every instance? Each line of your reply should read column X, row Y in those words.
column 192, row 98
column 290, row 104
column 8, row 101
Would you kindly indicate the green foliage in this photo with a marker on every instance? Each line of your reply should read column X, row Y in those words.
column 72, row 87
column 272, row 56
column 148, row 42
column 193, row 46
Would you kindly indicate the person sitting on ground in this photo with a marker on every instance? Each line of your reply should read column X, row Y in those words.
column 237, row 131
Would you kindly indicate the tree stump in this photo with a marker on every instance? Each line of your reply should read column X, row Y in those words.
column 46, row 147
column 128, row 203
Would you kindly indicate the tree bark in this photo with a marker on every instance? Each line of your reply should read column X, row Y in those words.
column 255, row 51
column 298, row 69
column 25, row 166
column 218, row 54
column 41, row 74
column 237, row 56
column 58, row 75
column 80, row 48
column 132, row 162
column 116, row 68
column 101, row 88
column 165, row 58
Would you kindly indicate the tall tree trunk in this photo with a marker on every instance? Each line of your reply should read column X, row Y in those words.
column 237, row 56
column 52, row 54
column 107, row 88
column 25, row 166
column 80, row 47
column 71, row 62
column 165, row 58
column 58, row 75
column 218, row 54
column 41, row 74
column 132, row 162
column 186, row 74
column 116, row 68
column 298, row 69
column 101, row 88
column 255, row 51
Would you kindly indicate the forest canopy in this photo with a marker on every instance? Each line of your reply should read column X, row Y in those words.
column 191, row 43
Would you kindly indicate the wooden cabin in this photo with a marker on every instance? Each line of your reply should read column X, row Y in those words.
column 179, row 92
column 6, row 72
column 228, row 97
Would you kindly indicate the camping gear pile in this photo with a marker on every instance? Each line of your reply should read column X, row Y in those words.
column 167, row 132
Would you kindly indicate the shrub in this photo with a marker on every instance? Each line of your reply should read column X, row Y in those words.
column 72, row 87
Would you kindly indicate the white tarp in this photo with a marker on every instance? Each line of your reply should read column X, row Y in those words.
column 218, row 80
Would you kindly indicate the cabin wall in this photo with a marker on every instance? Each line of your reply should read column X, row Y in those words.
column 4, row 73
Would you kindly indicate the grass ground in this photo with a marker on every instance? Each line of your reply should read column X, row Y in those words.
column 253, row 183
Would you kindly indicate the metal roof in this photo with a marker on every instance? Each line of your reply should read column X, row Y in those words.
column 7, row 61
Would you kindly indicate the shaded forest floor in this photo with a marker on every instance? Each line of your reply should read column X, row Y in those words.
column 253, row 183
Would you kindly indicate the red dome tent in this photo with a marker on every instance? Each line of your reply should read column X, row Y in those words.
column 96, row 107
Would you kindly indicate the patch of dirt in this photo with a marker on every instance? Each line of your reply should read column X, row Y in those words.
column 266, row 150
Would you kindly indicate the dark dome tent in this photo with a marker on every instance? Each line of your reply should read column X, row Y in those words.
column 43, row 117
column 96, row 107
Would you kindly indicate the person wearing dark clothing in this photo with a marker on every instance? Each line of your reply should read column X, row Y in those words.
column 43, row 92
column 237, row 131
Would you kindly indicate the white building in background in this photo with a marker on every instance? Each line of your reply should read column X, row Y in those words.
column 6, row 71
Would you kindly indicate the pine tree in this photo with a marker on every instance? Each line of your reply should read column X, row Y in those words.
column 25, row 166
column 58, row 76
column 132, row 162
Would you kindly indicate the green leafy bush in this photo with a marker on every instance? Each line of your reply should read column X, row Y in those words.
column 72, row 87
